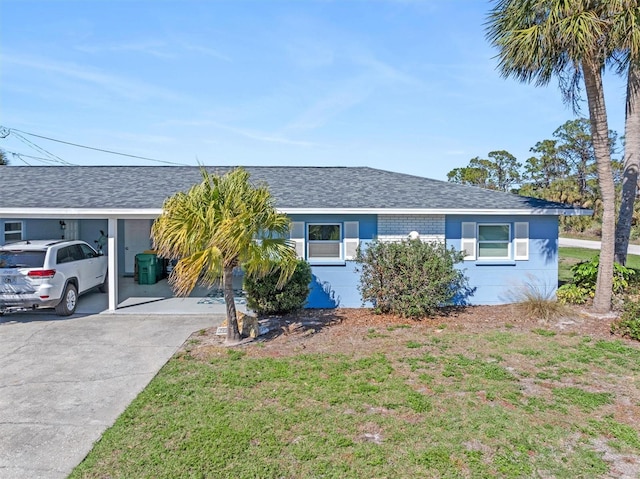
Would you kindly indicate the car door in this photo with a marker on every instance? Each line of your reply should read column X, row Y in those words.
column 91, row 267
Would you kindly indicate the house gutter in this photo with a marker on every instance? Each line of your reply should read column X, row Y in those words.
column 151, row 213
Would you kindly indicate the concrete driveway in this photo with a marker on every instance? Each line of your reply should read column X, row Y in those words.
column 63, row 381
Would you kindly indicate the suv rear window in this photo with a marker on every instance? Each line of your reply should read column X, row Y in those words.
column 22, row 259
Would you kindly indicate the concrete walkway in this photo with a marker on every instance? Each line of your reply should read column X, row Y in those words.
column 578, row 243
column 63, row 381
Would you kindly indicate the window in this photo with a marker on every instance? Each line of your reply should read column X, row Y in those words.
column 324, row 241
column 494, row 241
column 328, row 242
column 12, row 231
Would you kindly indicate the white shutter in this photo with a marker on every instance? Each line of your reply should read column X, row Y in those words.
column 521, row 241
column 297, row 237
column 468, row 241
column 351, row 239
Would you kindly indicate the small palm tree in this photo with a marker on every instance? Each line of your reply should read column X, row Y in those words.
column 223, row 223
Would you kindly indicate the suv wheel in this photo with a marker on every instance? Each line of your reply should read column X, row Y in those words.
column 69, row 302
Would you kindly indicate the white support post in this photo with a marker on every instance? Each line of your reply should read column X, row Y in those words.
column 112, row 249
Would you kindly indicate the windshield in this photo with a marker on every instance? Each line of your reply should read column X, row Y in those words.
column 22, row 259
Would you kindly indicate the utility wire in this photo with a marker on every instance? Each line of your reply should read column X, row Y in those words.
column 92, row 148
column 55, row 159
column 22, row 156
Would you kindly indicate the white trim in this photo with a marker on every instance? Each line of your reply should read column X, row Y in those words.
column 152, row 213
column 425, row 211
column 89, row 213
column 112, row 262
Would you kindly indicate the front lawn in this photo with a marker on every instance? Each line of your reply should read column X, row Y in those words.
column 403, row 400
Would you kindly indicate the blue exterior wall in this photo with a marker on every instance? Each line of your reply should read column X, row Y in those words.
column 38, row 229
column 89, row 231
column 499, row 282
column 336, row 285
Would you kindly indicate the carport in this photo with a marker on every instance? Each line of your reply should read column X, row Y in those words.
column 115, row 238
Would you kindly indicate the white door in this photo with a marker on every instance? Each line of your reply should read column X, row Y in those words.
column 137, row 239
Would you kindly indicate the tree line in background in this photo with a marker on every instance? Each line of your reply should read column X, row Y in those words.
column 561, row 169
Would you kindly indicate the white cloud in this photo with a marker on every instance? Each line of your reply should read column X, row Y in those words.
column 127, row 88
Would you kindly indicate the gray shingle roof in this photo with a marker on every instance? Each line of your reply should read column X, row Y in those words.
column 293, row 187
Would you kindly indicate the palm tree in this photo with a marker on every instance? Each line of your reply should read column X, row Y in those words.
column 540, row 39
column 625, row 40
column 220, row 224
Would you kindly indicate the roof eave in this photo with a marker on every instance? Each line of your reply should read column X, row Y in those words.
column 442, row 211
column 151, row 213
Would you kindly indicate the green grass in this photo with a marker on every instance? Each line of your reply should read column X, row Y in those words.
column 569, row 256
column 500, row 404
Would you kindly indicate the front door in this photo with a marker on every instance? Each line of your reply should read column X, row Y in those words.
column 137, row 235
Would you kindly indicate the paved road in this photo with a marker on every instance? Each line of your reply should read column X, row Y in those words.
column 63, row 381
column 578, row 243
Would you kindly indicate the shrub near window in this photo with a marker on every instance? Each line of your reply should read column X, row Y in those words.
column 265, row 298
column 410, row 278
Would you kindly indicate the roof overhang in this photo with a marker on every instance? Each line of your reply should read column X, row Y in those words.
column 85, row 213
column 431, row 211
column 142, row 213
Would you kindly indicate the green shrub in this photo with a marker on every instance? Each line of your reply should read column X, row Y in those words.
column 265, row 298
column 585, row 277
column 411, row 278
column 585, row 274
column 572, row 294
column 629, row 323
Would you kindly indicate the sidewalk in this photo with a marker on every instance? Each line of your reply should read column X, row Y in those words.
column 578, row 243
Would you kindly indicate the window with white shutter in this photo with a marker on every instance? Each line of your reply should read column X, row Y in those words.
column 351, row 239
column 521, row 241
column 298, row 237
column 468, row 240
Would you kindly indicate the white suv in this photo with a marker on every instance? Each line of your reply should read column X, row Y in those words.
column 49, row 274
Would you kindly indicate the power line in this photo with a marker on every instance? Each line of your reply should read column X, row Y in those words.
column 22, row 156
column 90, row 147
column 55, row 158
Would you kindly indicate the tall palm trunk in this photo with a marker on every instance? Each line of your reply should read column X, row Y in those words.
column 233, row 334
column 631, row 163
column 600, row 135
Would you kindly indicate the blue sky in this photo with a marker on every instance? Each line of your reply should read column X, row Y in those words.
column 404, row 85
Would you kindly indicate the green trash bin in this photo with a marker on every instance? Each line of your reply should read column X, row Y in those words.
column 147, row 268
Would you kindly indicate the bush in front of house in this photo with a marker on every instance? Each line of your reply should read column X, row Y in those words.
column 264, row 297
column 410, row 278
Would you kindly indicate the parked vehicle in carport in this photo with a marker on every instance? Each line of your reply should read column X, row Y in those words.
column 49, row 274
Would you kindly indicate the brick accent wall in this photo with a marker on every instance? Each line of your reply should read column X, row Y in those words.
column 398, row 227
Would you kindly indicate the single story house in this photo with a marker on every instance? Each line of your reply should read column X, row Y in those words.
column 509, row 240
